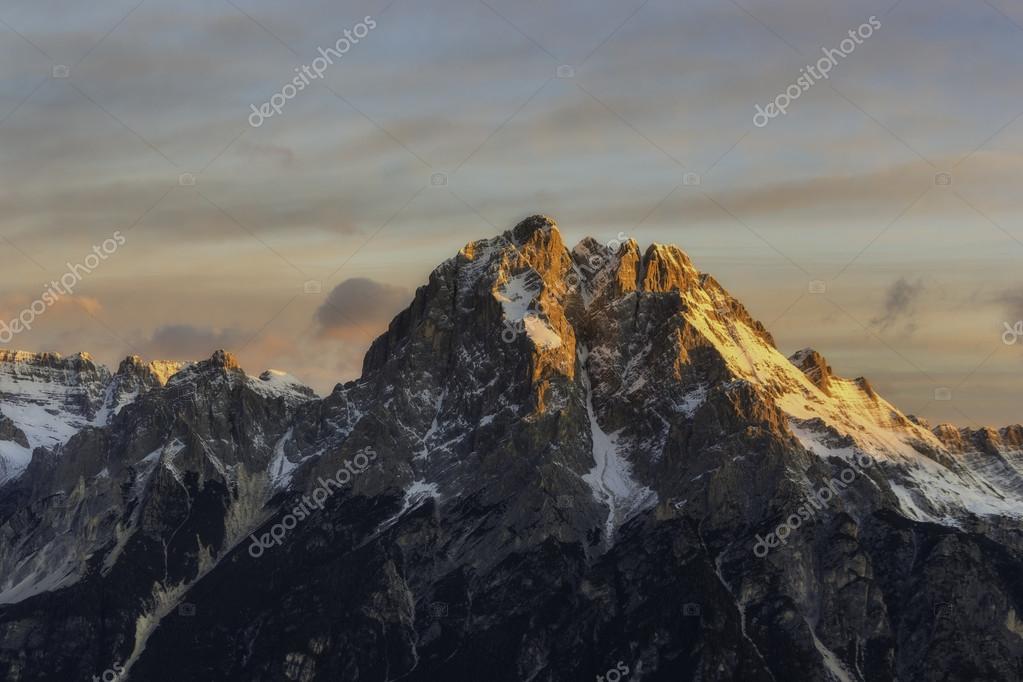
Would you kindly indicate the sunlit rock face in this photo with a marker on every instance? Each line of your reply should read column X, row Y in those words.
column 555, row 460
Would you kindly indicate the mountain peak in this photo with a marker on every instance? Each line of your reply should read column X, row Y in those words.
column 133, row 360
column 49, row 359
column 814, row 366
column 156, row 372
column 609, row 419
column 666, row 267
column 220, row 363
column 224, row 360
column 524, row 231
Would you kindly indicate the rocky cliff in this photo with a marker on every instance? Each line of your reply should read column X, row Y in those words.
column 554, row 461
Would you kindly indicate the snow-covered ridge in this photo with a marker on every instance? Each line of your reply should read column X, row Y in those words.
column 977, row 472
column 275, row 383
column 930, row 482
column 45, row 398
column 45, row 359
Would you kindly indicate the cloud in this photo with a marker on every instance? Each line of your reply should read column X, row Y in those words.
column 900, row 300
column 12, row 305
column 1012, row 299
column 359, row 308
column 185, row 342
column 87, row 303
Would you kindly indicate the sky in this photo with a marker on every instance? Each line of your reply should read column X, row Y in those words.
column 876, row 220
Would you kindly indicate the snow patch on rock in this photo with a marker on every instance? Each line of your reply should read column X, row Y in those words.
column 274, row 383
column 611, row 478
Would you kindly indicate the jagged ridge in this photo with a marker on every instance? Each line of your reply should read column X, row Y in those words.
column 557, row 439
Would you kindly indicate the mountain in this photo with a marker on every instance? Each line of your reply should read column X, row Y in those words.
column 557, row 465
column 45, row 399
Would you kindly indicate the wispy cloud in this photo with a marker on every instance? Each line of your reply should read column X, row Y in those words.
column 188, row 342
column 359, row 308
column 899, row 304
column 1012, row 299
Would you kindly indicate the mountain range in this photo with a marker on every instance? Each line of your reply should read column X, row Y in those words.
column 557, row 464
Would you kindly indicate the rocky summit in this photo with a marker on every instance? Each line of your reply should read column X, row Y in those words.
column 558, row 464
